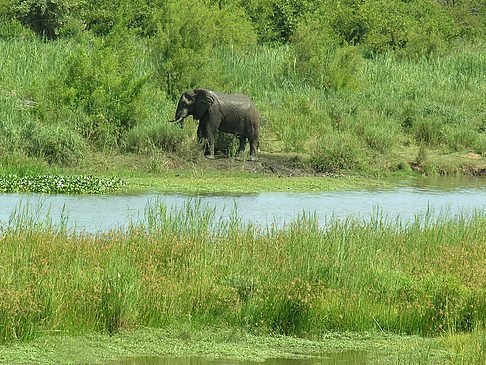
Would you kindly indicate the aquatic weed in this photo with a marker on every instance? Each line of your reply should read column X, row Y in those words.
column 54, row 184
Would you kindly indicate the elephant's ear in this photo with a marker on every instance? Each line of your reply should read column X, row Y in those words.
column 204, row 100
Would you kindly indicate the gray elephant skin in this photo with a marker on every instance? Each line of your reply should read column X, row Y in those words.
column 231, row 113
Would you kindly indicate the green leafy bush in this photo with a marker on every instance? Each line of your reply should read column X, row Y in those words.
column 56, row 144
column 338, row 151
column 321, row 60
column 313, row 46
column 159, row 135
column 188, row 33
column 44, row 17
column 416, row 27
column 428, row 130
column 379, row 136
column 101, row 80
column 100, row 16
column 12, row 29
column 226, row 143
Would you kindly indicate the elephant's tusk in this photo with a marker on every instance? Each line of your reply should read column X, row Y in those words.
column 180, row 121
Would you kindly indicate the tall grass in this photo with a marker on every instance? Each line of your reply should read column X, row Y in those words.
column 392, row 102
column 395, row 101
column 188, row 267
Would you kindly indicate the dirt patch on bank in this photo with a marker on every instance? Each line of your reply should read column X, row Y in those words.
column 270, row 164
column 288, row 165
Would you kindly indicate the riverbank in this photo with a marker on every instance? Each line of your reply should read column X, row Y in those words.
column 141, row 173
column 273, row 172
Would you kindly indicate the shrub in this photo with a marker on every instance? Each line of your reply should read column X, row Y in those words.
column 418, row 27
column 101, row 80
column 338, row 151
column 226, row 143
column 379, row 136
column 56, row 144
column 189, row 31
column 313, row 45
column 160, row 135
column 344, row 68
column 101, row 16
column 44, row 17
column 459, row 137
column 428, row 130
column 321, row 61
column 11, row 29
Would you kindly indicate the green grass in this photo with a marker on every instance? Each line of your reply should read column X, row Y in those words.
column 188, row 267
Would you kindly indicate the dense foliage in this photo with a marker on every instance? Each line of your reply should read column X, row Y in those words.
column 347, row 83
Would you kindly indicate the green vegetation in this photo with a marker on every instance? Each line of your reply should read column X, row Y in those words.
column 188, row 268
column 58, row 184
column 239, row 182
column 371, row 88
column 180, row 346
column 345, row 85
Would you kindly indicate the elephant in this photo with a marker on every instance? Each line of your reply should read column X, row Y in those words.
column 231, row 113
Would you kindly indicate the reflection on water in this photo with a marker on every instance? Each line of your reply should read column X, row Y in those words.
column 447, row 197
column 337, row 358
column 447, row 184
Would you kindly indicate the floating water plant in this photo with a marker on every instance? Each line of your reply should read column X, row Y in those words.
column 53, row 184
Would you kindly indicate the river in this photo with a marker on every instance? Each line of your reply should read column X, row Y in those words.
column 432, row 197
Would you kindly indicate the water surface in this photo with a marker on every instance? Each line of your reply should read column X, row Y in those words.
column 448, row 197
column 335, row 358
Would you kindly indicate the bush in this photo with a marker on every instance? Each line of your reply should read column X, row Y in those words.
column 459, row 137
column 428, row 130
column 11, row 29
column 56, row 144
column 101, row 80
column 379, row 136
column 344, row 68
column 321, row 61
column 313, row 45
column 226, row 143
column 417, row 27
column 101, row 16
column 337, row 151
column 156, row 135
column 189, row 32
column 44, row 17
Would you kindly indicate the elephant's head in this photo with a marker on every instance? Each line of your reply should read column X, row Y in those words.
column 193, row 102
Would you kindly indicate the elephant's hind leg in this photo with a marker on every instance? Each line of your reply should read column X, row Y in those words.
column 253, row 149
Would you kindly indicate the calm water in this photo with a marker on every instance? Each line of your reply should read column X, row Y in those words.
column 338, row 358
column 440, row 196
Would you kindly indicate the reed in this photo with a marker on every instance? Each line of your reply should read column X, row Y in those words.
column 188, row 267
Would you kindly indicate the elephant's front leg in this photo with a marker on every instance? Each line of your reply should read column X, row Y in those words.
column 210, row 155
column 206, row 137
